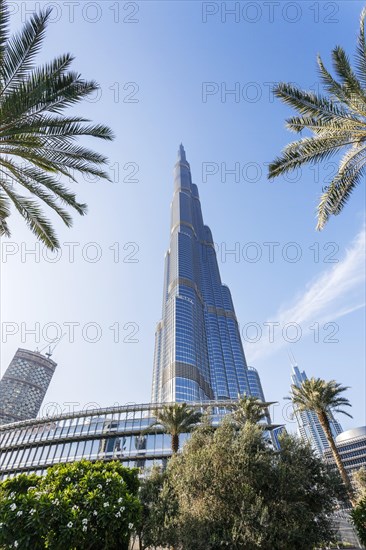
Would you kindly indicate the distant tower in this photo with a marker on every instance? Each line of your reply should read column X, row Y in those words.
column 308, row 424
column 24, row 385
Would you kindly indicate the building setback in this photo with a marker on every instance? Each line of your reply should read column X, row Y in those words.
column 199, row 355
column 24, row 385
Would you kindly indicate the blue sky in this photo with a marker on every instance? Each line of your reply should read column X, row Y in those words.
column 166, row 70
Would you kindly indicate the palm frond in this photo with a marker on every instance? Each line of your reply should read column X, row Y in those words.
column 350, row 174
column 319, row 396
column 342, row 67
column 34, row 217
column 351, row 92
column 17, row 176
column 306, row 150
column 4, row 213
column 4, row 27
column 324, row 127
column 46, row 180
column 37, row 142
column 361, row 51
column 336, row 122
column 310, row 104
column 21, row 50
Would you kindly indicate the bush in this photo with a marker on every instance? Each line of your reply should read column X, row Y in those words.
column 79, row 506
column 358, row 516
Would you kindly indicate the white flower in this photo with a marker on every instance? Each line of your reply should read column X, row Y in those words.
column 16, row 544
column 108, row 480
column 32, row 511
column 119, row 500
column 68, row 479
column 99, row 486
column 56, row 501
column 95, row 513
column 75, row 507
column 130, row 525
column 106, row 504
column 1, row 525
column 85, row 528
column 20, row 513
column 12, row 495
column 13, row 506
column 70, row 524
column 84, row 521
column 118, row 515
column 122, row 509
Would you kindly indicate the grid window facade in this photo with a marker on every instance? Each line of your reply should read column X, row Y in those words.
column 24, row 385
column 128, row 434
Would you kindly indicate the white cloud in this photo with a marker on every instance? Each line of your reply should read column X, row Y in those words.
column 336, row 292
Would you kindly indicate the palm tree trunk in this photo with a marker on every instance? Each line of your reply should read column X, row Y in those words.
column 323, row 419
column 175, row 443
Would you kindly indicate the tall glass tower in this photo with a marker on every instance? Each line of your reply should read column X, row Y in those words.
column 198, row 351
column 307, row 421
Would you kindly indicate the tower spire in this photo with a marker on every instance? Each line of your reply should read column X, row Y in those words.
column 181, row 154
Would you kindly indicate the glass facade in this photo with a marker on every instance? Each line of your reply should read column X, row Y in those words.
column 24, row 385
column 118, row 433
column 198, row 350
column 351, row 446
column 308, row 424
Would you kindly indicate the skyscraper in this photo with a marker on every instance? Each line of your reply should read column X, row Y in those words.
column 198, row 349
column 24, row 385
column 308, row 424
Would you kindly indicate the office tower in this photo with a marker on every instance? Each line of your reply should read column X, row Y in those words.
column 308, row 424
column 198, row 350
column 24, row 385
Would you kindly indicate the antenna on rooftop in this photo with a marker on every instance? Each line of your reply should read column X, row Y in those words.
column 292, row 359
column 52, row 346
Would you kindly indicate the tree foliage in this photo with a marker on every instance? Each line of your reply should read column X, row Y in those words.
column 79, row 506
column 358, row 515
column 359, row 481
column 37, row 140
column 336, row 120
column 159, row 507
column 229, row 489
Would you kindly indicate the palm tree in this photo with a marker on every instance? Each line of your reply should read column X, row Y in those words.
column 248, row 409
column 176, row 419
column 322, row 398
column 37, row 141
column 337, row 121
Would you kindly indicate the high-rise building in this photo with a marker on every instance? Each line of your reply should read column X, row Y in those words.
column 199, row 355
column 24, row 385
column 308, row 424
